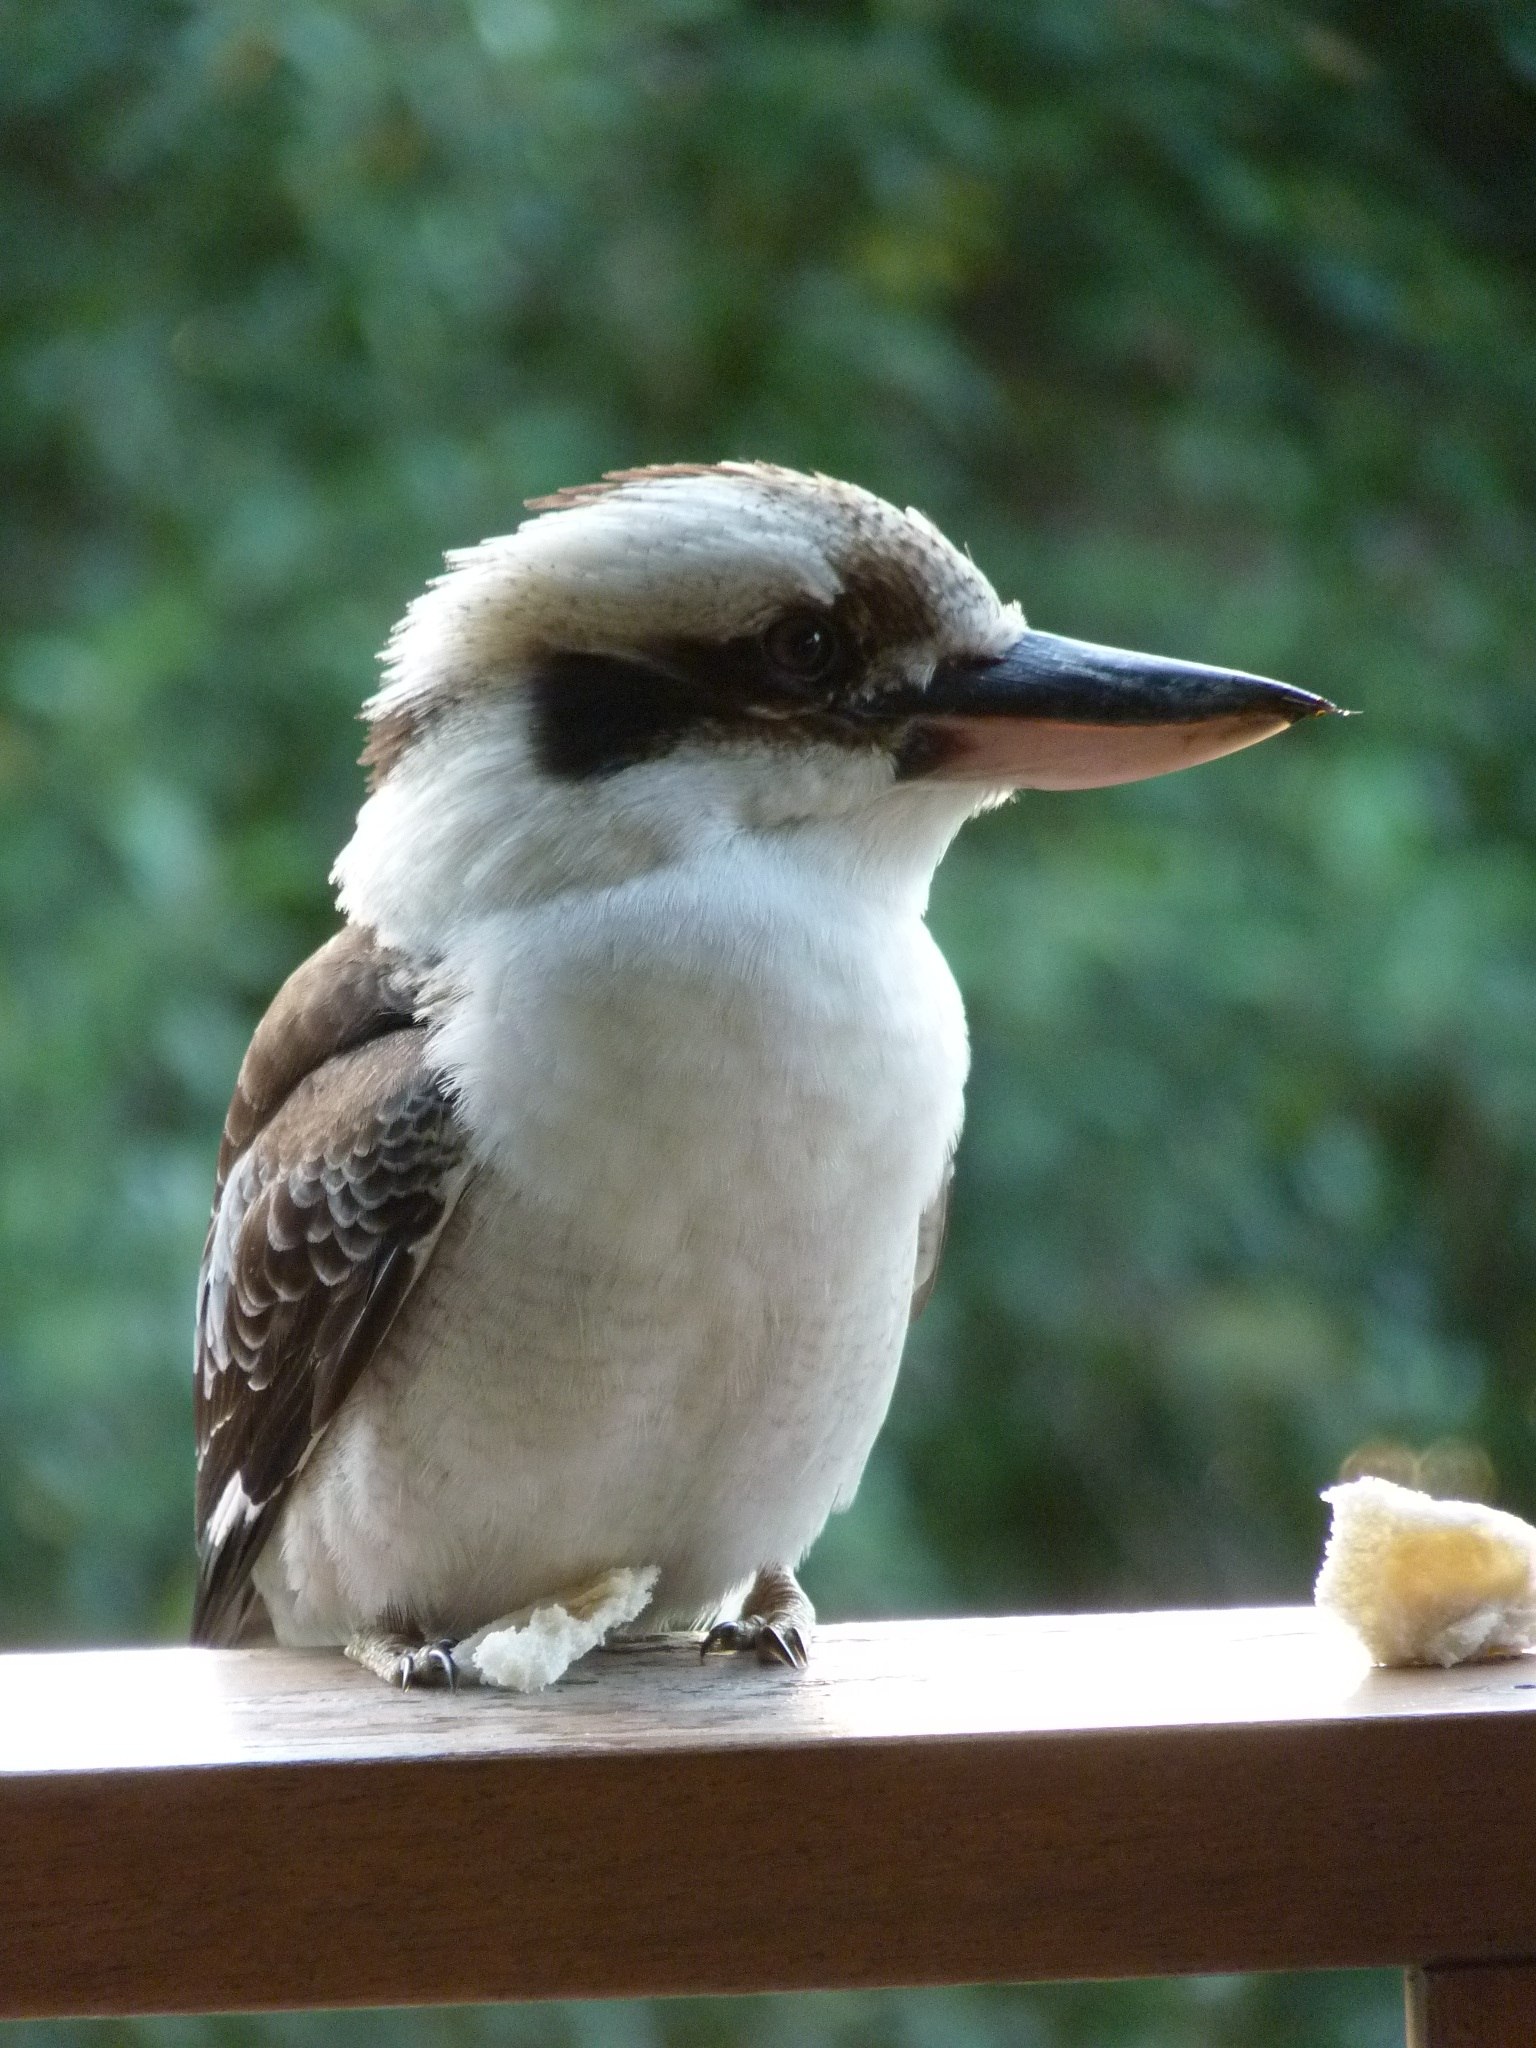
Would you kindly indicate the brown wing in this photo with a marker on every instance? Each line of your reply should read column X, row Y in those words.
column 341, row 1160
column 932, row 1229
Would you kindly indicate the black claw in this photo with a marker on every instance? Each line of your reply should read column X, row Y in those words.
column 773, row 1645
column 723, row 1636
column 781, row 1646
column 772, row 1648
column 428, row 1665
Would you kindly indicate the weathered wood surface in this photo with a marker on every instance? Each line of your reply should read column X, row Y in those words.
column 933, row 1802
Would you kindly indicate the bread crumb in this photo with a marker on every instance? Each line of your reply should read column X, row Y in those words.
column 526, row 1651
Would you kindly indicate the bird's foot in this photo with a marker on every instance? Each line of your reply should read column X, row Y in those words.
column 405, row 1660
column 775, row 1619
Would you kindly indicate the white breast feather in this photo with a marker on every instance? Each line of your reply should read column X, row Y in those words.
column 710, row 1106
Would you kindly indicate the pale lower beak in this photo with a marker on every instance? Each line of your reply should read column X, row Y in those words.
column 1050, row 713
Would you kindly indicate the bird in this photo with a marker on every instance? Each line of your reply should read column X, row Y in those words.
column 575, row 1197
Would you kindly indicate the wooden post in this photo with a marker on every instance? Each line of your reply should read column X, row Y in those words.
column 1472, row 2005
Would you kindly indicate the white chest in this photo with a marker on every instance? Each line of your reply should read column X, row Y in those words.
column 664, row 1327
column 737, row 1052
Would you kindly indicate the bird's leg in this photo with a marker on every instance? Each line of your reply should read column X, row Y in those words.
column 774, row 1622
column 404, row 1659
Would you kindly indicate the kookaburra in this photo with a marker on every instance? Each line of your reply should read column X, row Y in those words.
column 575, row 1198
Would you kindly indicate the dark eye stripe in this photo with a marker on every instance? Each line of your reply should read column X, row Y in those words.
column 594, row 714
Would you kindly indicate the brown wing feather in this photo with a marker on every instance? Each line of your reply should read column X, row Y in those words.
column 340, row 1162
column 350, row 991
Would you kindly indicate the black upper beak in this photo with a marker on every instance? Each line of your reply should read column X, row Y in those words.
column 1043, row 675
column 1066, row 714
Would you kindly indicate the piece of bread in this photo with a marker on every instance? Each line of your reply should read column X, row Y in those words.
column 1426, row 1581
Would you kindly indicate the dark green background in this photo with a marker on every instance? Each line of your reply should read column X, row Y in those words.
column 1208, row 327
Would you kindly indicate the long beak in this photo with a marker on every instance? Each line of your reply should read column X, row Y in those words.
column 1050, row 713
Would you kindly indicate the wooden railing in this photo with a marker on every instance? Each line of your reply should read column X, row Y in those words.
column 933, row 1802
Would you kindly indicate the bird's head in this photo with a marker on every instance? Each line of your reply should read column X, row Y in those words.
column 676, row 657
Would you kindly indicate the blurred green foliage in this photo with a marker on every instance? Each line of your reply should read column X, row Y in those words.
column 1210, row 327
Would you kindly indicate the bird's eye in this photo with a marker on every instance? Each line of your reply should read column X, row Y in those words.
column 802, row 645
